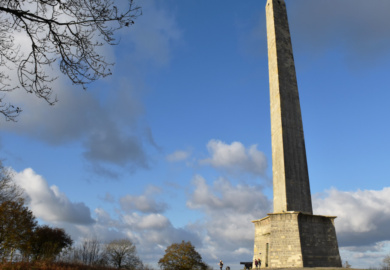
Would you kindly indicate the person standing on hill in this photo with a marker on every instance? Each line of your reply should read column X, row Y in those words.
column 220, row 264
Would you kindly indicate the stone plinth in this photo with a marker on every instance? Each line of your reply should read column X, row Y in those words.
column 295, row 239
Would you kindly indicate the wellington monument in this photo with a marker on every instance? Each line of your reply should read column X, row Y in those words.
column 291, row 236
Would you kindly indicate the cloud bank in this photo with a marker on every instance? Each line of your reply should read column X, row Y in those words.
column 224, row 230
column 363, row 216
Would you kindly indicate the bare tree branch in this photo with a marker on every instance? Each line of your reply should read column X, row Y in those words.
column 67, row 32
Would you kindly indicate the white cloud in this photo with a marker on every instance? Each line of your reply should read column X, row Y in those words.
column 49, row 203
column 177, row 156
column 229, row 211
column 147, row 222
column 363, row 216
column 151, row 232
column 235, row 158
column 226, row 230
column 143, row 203
column 367, row 257
column 244, row 251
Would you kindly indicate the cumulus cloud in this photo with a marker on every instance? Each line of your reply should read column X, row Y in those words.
column 142, row 203
column 235, row 158
column 226, row 229
column 138, row 218
column 49, row 203
column 229, row 211
column 177, row 156
column 151, row 233
column 368, row 256
column 363, row 216
column 146, row 222
column 153, row 230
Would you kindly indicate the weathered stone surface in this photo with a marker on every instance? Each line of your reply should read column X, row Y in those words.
column 296, row 240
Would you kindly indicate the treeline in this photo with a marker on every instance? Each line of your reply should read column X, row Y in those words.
column 120, row 254
column 24, row 244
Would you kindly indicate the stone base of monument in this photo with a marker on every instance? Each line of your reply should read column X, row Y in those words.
column 295, row 239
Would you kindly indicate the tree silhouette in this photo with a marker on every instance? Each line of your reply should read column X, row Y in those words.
column 48, row 242
column 64, row 32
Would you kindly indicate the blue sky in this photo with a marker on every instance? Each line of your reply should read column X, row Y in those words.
column 176, row 144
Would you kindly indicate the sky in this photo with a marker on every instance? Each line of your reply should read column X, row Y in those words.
column 176, row 144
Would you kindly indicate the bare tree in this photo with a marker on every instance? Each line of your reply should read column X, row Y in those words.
column 147, row 267
column 386, row 263
column 64, row 32
column 9, row 191
column 346, row 265
column 91, row 251
column 122, row 254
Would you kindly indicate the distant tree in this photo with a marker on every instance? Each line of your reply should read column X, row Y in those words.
column 17, row 224
column 346, row 265
column 9, row 191
column 386, row 263
column 122, row 254
column 182, row 256
column 48, row 242
column 66, row 32
column 147, row 267
column 91, row 252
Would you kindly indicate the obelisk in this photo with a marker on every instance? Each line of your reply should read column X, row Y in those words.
column 291, row 236
column 290, row 173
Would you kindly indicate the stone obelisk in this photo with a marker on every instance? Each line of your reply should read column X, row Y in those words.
column 290, row 173
column 291, row 236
